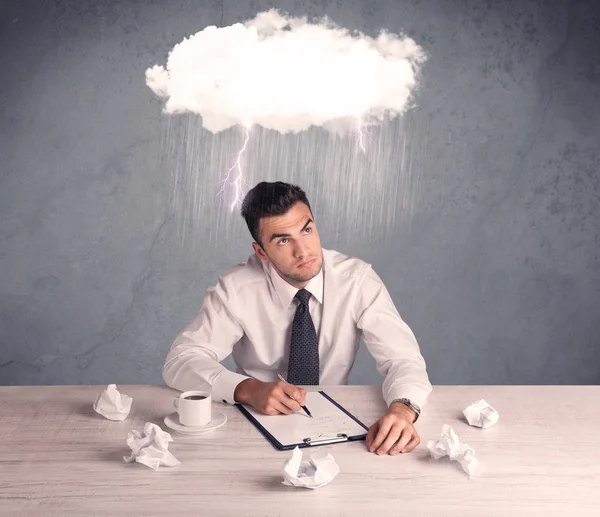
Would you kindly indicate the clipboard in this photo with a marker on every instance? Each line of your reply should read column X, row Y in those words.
column 325, row 409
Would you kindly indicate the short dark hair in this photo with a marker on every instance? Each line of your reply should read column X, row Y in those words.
column 269, row 199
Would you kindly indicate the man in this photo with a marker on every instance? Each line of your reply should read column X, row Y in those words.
column 296, row 309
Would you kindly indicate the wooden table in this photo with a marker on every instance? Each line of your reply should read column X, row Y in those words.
column 58, row 457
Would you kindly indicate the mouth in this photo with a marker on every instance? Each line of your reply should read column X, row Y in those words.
column 306, row 263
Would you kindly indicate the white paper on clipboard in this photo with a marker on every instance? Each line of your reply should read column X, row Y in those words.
column 328, row 421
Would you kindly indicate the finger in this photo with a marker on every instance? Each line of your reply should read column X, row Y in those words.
column 414, row 442
column 284, row 398
column 290, row 390
column 390, row 440
column 289, row 403
column 384, row 428
column 275, row 403
column 405, row 438
column 371, row 434
column 283, row 409
column 301, row 399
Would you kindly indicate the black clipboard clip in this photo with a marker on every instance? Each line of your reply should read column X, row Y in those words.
column 340, row 437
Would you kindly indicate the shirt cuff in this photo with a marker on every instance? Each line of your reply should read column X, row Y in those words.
column 224, row 386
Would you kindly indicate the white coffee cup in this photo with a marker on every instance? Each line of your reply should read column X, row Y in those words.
column 194, row 408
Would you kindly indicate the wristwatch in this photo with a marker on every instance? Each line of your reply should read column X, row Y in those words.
column 411, row 405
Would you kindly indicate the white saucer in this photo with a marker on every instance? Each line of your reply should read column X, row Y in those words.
column 218, row 419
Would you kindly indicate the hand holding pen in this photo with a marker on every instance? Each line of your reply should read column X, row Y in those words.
column 304, row 408
column 270, row 398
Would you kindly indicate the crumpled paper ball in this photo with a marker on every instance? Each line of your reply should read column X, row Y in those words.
column 450, row 445
column 481, row 414
column 150, row 447
column 315, row 473
column 112, row 404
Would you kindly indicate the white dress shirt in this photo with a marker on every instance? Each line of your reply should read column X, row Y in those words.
column 250, row 311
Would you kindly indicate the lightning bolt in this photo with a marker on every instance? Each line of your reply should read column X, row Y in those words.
column 362, row 131
column 235, row 175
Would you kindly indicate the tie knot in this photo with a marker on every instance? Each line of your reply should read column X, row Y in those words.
column 303, row 295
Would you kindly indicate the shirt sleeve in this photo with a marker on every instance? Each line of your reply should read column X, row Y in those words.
column 193, row 362
column 391, row 343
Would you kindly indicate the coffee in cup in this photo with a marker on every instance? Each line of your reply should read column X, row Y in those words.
column 194, row 408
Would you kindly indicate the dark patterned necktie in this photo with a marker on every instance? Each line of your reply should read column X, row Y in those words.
column 303, row 367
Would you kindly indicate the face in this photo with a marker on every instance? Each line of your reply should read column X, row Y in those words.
column 291, row 245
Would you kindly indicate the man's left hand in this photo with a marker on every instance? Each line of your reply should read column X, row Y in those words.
column 394, row 432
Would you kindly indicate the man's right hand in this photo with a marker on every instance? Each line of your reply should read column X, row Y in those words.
column 270, row 398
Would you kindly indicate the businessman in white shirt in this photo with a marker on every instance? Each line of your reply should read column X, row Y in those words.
column 298, row 310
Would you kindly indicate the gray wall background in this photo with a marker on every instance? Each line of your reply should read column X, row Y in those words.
column 498, row 273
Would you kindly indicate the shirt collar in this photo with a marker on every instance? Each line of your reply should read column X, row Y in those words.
column 287, row 292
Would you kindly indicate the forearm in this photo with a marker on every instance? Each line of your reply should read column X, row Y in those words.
column 406, row 378
column 243, row 391
column 189, row 367
column 193, row 369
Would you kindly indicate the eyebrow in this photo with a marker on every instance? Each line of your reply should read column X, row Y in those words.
column 278, row 235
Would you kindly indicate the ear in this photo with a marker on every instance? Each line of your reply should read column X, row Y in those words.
column 260, row 252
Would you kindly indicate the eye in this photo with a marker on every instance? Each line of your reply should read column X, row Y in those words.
column 282, row 241
column 308, row 230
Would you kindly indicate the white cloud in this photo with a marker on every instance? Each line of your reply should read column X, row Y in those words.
column 287, row 74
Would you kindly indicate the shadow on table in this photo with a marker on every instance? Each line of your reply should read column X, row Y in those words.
column 460, row 417
column 272, row 483
column 85, row 410
column 115, row 455
column 423, row 455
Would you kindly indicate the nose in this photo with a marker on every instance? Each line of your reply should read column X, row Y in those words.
column 300, row 250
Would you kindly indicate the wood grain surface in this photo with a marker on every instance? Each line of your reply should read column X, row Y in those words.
column 58, row 457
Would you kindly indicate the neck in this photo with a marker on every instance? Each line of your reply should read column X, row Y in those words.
column 293, row 283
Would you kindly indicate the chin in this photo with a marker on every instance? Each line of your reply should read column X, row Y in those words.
column 311, row 273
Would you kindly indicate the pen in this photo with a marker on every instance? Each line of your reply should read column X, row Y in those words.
column 303, row 407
